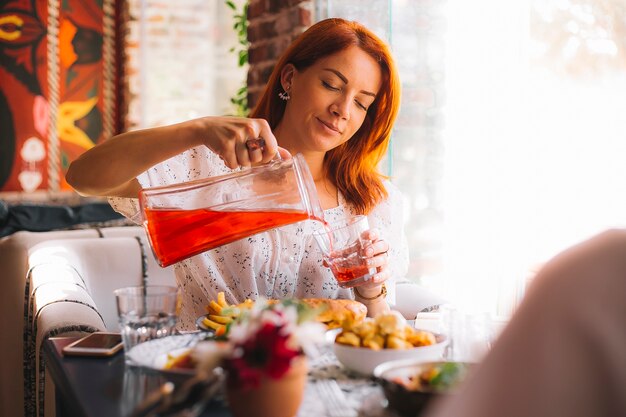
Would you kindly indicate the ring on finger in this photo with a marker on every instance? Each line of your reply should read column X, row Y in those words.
column 254, row 144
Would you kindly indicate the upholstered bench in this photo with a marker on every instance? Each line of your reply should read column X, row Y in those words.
column 61, row 283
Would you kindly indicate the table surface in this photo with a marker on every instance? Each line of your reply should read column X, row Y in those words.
column 95, row 387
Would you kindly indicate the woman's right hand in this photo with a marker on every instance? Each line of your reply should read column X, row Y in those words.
column 111, row 167
column 228, row 137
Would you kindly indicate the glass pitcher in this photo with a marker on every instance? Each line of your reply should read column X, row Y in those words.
column 189, row 218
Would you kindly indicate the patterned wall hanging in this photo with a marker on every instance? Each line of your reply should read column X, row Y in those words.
column 58, row 88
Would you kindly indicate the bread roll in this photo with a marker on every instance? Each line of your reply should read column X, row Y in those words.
column 333, row 313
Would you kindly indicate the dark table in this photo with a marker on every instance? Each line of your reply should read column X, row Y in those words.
column 107, row 387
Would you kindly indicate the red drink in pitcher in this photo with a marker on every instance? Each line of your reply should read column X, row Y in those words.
column 178, row 234
column 188, row 218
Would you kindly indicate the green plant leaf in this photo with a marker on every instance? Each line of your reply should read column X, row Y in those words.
column 240, row 26
column 450, row 373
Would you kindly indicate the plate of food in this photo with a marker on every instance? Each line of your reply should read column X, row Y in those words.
column 167, row 354
column 362, row 347
column 332, row 313
column 410, row 384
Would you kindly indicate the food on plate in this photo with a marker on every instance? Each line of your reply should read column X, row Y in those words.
column 183, row 360
column 221, row 314
column 206, row 353
column 388, row 330
column 440, row 376
column 332, row 313
column 410, row 385
column 337, row 313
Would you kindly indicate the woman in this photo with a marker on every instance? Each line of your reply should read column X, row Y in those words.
column 333, row 96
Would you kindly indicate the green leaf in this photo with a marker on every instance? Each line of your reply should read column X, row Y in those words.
column 230, row 311
column 450, row 373
column 240, row 26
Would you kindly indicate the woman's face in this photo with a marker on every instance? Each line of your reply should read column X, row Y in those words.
column 329, row 100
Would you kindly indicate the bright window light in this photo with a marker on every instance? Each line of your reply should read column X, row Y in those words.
column 534, row 143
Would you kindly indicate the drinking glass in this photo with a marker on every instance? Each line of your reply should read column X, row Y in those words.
column 469, row 333
column 343, row 248
column 146, row 313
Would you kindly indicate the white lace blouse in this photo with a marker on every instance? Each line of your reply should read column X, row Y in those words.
column 279, row 263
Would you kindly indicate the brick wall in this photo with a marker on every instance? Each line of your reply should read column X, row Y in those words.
column 272, row 25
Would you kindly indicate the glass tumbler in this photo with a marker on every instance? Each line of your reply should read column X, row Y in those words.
column 146, row 313
column 343, row 248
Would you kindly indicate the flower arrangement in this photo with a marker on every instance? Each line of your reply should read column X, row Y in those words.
column 263, row 341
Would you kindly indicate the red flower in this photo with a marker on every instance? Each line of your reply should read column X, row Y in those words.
column 265, row 341
column 264, row 353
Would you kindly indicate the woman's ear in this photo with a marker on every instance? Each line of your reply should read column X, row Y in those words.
column 286, row 76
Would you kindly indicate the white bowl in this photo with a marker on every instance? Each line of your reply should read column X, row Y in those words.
column 364, row 360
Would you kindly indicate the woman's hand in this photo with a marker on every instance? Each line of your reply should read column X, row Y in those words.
column 377, row 256
column 235, row 140
column 111, row 167
column 371, row 293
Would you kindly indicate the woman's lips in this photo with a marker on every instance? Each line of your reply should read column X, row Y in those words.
column 330, row 126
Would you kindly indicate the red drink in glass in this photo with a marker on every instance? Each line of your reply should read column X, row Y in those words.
column 342, row 246
column 346, row 274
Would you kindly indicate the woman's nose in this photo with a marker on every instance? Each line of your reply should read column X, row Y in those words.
column 340, row 108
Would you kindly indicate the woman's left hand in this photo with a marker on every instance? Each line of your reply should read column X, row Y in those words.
column 378, row 257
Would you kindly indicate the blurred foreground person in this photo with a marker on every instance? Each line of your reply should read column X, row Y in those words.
column 564, row 351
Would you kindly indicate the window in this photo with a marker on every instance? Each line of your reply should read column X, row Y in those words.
column 179, row 61
column 512, row 113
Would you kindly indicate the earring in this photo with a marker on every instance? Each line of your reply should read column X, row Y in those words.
column 284, row 95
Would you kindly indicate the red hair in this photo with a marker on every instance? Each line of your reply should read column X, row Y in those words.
column 355, row 162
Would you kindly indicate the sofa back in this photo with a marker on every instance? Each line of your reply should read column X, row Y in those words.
column 61, row 283
column 100, row 266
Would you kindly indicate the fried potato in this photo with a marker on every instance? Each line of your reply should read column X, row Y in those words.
column 422, row 338
column 394, row 342
column 221, row 299
column 220, row 319
column 390, row 323
column 211, row 324
column 214, row 308
column 387, row 331
column 374, row 342
column 348, row 338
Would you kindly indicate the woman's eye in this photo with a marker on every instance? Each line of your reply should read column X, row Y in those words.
column 330, row 87
column 360, row 105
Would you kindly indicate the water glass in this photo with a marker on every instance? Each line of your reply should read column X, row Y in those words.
column 146, row 313
column 343, row 248
column 469, row 334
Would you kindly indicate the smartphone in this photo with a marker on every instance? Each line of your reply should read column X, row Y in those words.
column 95, row 344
